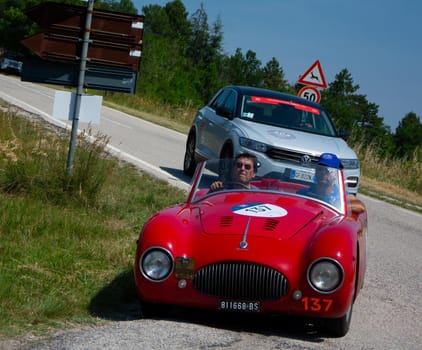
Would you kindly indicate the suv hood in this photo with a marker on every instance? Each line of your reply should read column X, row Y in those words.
column 302, row 141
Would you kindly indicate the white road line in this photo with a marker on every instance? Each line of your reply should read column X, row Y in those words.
column 117, row 123
column 30, row 108
column 149, row 168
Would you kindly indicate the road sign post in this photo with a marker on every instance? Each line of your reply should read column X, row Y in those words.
column 79, row 90
column 116, row 40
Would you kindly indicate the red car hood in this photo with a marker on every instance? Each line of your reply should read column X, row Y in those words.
column 260, row 214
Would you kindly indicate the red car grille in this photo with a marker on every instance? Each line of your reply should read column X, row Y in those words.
column 240, row 280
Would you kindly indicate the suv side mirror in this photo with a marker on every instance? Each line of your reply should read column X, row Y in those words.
column 344, row 134
column 224, row 112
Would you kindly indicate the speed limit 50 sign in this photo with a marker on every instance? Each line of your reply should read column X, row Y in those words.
column 310, row 93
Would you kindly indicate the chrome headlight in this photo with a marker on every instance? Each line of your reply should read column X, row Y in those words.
column 254, row 145
column 156, row 264
column 325, row 275
column 350, row 163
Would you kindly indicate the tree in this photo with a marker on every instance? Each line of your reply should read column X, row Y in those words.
column 14, row 25
column 352, row 111
column 340, row 100
column 253, row 73
column 166, row 73
column 273, row 77
column 170, row 21
column 204, row 51
column 408, row 136
column 204, row 45
column 124, row 6
column 243, row 70
column 178, row 19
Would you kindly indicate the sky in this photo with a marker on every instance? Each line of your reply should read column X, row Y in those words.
column 378, row 41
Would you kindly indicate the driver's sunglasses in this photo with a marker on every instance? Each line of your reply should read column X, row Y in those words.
column 239, row 165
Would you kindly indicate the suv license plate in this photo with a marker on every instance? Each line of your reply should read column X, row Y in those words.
column 302, row 175
column 240, row 306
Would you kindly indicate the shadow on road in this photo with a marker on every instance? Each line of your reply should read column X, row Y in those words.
column 177, row 173
column 118, row 301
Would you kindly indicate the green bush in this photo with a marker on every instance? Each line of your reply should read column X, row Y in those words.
column 34, row 163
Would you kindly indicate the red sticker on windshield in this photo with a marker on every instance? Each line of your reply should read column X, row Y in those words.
column 275, row 101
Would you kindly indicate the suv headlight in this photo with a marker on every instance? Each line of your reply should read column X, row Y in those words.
column 254, row 145
column 350, row 163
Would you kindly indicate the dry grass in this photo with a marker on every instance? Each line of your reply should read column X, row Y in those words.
column 391, row 193
column 391, row 179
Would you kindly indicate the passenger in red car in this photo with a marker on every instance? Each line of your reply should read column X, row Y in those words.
column 324, row 187
column 244, row 170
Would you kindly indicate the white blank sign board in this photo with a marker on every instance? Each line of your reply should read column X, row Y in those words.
column 64, row 105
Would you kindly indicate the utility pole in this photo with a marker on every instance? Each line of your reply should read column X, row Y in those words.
column 80, row 87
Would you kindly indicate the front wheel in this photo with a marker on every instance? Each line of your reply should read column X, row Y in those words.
column 340, row 326
column 227, row 152
column 189, row 162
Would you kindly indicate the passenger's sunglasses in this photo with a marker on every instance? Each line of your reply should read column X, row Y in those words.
column 239, row 165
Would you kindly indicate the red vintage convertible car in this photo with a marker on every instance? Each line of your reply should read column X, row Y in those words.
column 275, row 248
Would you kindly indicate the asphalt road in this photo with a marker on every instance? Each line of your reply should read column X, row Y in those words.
column 387, row 314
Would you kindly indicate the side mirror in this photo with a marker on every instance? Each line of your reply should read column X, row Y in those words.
column 224, row 112
column 344, row 134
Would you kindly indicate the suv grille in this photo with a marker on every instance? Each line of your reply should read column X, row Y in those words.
column 241, row 280
column 292, row 156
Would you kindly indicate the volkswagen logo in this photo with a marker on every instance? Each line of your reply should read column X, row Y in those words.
column 305, row 160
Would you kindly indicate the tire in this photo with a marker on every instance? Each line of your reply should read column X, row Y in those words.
column 339, row 327
column 189, row 162
column 227, row 152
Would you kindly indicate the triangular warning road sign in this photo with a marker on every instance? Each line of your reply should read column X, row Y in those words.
column 314, row 76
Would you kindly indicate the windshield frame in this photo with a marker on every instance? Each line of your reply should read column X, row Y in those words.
column 290, row 183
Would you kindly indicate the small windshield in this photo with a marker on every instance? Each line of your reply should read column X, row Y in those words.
column 286, row 114
column 320, row 183
column 12, row 55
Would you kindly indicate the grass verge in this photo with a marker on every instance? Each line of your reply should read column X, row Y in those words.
column 66, row 255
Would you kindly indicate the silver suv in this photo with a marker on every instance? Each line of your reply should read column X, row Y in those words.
column 277, row 128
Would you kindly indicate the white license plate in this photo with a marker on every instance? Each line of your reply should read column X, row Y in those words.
column 302, row 175
column 240, row 306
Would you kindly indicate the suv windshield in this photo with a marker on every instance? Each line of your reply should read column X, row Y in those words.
column 286, row 114
column 13, row 56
